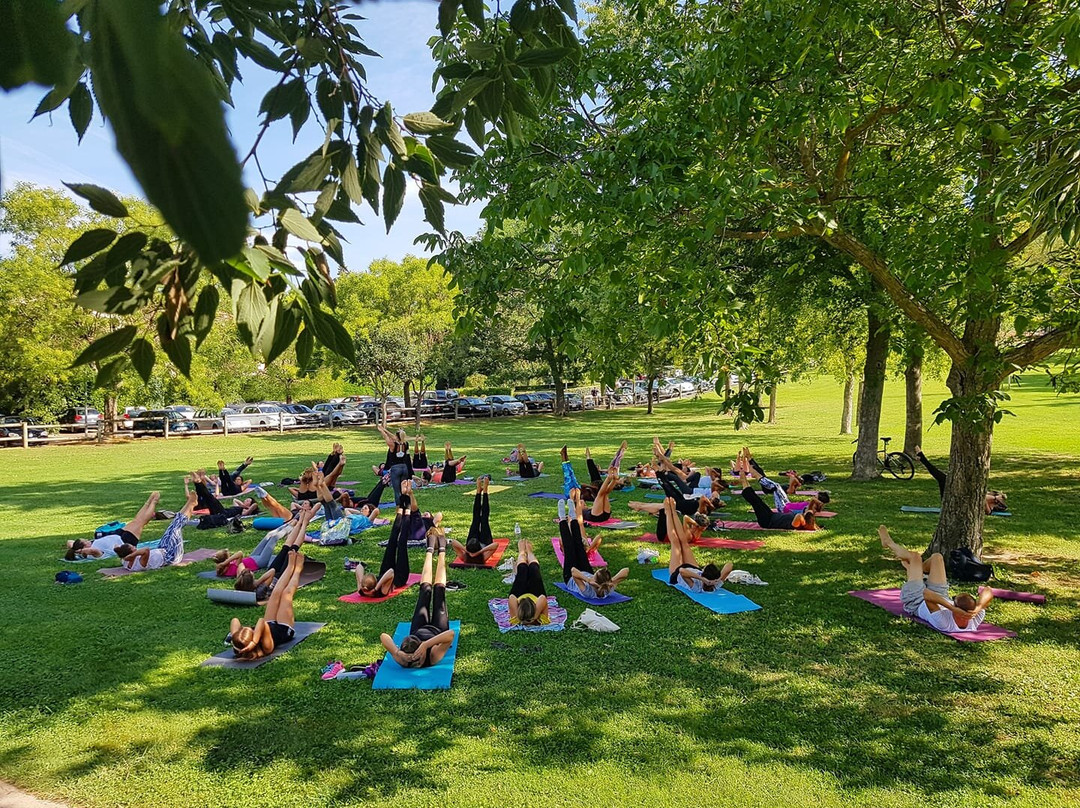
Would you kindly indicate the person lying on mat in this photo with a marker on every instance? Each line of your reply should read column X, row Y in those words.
column 526, row 466
column 276, row 627
column 994, row 501
column 450, row 467
column 295, row 534
column 429, row 636
column 925, row 593
column 766, row 517
column 682, row 477
column 127, row 537
column 578, row 573
column 420, row 458
column 219, row 515
column 779, row 495
column 528, row 603
column 479, row 545
column 600, row 511
column 597, row 481
column 394, row 571
column 683, row 566
column 229, row 565
column 233, row 483
column 273, row 507
column 170, row 550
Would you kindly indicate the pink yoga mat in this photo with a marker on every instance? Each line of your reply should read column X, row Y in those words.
column 1023, row 597
column 722, row 544
column 493, row 559
column 356, row 597
column 889, row 600
column 820, row 515
column 595, row 558
column 202, row 554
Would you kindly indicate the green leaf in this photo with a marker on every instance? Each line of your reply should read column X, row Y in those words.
column 329, row 98
column 105, row 346
column 299, row 114
column 391, row 136
column 474, row 125
column 205, row 311
column 108, row 373
column 142, row 358
column 521, row 16
column 393, row 194
column 350, row 182
column 259, row 53
column 305, row 347
column 451, row 152
column 178, row 350
column 129, row 246
column 258, row 261
column 250, row 306
column 332, row 334
column 433, row 207
column 569, row 8
column 280, row 100
column 541, row 57
column 35, row 44
column 169, row 124
column 425, row 123
column 80, row 109
column 286, row 324
column 63, row 89
column 87, row 244
column 447, row 16
column 307, row 175
column 297, row 224
column 421, row 163
column 474, row 10
column 101, row 199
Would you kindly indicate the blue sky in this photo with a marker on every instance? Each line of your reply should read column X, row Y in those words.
column 45, row 150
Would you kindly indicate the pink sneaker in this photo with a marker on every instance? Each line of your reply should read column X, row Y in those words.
column 332, row 670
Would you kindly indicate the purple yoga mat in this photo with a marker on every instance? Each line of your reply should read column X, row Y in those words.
column 546, row 495
column 202, row 554
column 889, row 600
column 1023, row 597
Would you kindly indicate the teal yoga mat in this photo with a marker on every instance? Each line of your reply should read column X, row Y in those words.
column 720, row 601
column 919, row 509
column 391, row 676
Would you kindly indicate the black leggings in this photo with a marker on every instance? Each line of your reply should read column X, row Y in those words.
column 207, row 501
column 419, row 460
column 450, row 470
column 219, row 518
column 396, row 556
column 430, row 610
column 330, row 464
column 228, row 481
column 594, row 471
column 526, row 469
column 764, row 514
column 573, row 547
column 374, row 497
column 528, row 581
column 481, row 525
column 280, row 563
column 935, row 472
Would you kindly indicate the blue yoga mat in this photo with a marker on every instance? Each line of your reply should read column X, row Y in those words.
column 614, row 597
column 720, row 601
column 391, row 676
column 546, row 495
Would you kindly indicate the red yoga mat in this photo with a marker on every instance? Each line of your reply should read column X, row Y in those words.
column 722, row 544
column 493, row 559
column 356, row 597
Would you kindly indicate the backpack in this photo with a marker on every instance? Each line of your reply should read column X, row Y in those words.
column 109, row 529
column 68, row 577
column 964, row 565
column 813, row 477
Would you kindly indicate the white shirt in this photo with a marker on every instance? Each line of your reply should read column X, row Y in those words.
column 944, row 620
column 107, row 544
column 155, row 561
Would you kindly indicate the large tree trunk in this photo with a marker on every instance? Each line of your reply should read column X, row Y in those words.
column 648, row 393
column 858, row 401
column 849, row 405
column 560, row 396
column 866, row 466
column 772, row 405
column 407, row 392
column 913, row 428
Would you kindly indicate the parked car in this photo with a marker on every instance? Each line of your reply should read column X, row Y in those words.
column 436, row 406
column 305, row 416
column 506, row 405
column 682, row 386
column 185, row 410
column 79, row 418
column 209, row 419
column 372, row 408
column 266, row 416
column 472, row 406
column 343, row 413
column 444, row 395
column 574, row 402
column 13, row 424
column 533, row 402
column 154, row 421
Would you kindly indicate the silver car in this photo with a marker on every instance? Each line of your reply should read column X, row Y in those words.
column 341, row 413
column 211, row 420
column 506, row 405
column 267, row 416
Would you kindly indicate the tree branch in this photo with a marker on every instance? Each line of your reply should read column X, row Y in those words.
column 1021, row 242
column 879, row 270
column 761, row 235
column 1040, row 348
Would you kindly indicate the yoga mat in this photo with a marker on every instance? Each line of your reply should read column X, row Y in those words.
column 226, row 659
column 546, row 495
column 493, row 559
column 202, row 554
column 492, row 489
column 889, row 600
column 920, row 509
column 725, row 524
column 807, row 493
column 821, row 515
column 500, row 610
column 1023, row 597
column 465, row 481
column 356, row 597
column 648, row 482
column 719, row 601
column 610, row 524
column 516, row 479
column 153, row 544
column 391, row 676
column 614, row 597
column 721, row 544
column 595, row 559
column 313, row 571
column 267, row 522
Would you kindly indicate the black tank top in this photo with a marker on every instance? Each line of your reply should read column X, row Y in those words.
column 392, row 458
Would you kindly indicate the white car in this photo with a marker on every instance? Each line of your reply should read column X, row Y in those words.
column 209, row 419
column 186, row 410
column 267, row 416
column 684, row 386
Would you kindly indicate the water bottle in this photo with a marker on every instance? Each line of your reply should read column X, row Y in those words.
column 517, row 531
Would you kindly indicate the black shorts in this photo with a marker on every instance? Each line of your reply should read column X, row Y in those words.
column 128, row 537
column 674, row 579
column 588, row 516
column 280, row 633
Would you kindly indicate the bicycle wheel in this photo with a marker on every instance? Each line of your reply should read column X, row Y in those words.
column 899, row 465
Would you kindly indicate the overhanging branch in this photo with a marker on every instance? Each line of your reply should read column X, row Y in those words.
column 1040, row 348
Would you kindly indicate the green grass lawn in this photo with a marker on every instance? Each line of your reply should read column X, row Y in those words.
column 816, row 699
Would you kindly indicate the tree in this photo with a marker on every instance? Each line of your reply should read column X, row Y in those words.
column 934, row 146
column 160, row 76
column 386, row 357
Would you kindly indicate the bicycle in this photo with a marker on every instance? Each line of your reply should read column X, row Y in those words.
column 898, row 464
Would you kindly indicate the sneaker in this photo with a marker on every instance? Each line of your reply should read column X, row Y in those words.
column 452, row 586
column 332, row 670
column 351, row 564
column 259, row 491
column 235, row 526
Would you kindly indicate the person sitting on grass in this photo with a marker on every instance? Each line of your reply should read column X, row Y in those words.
column 170, row 550
column 528, row 603
column 683, row 566
column 126, row 538
column 993, row 501
column 577, row 570
column 527, row 468
column 394, row 571
column 925, row 593
column 276, row 627
column 479, row 545
column 430, row 637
